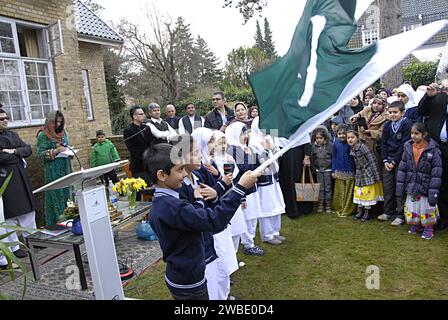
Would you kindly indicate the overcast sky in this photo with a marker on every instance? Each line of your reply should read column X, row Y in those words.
column 222, row 28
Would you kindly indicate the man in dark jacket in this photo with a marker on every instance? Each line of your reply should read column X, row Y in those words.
column 434, row 106
column 171, row 118
column 18, row 200
column 220, row 115
column 140, row 141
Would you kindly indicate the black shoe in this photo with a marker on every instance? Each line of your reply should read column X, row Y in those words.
column 359, row 214
column 20, row 253
column 366, row 215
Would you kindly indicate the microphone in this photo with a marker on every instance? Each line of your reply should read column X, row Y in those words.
column 128, row 138
column 74, row 153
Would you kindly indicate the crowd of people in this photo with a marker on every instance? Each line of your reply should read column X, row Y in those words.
column 382, row 150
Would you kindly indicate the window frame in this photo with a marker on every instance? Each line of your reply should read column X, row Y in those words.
column 13, row 25
column 88, row 94
column 25, row 91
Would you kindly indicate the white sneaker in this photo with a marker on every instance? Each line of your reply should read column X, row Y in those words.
column 384, row 217
column 397, row 222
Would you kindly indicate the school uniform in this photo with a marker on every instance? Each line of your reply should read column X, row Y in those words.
column 179, row 226
column 395, row 135
column 219, row 269
column 252, row 212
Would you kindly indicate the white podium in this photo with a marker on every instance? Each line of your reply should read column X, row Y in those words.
column 97, row 230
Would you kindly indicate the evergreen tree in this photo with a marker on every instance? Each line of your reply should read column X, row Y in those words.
column 259, row 42
column 268, row 44
column 206, row 64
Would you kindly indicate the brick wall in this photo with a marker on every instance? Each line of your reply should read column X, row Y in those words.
column 68, row 81
column 91, row 57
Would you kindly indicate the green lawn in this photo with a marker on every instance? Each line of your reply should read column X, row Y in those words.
column 325, row 257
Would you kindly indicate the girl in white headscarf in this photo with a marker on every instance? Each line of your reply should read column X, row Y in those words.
column 268, row 189
column 237, row 136
column 217, row 274
column 407, row 95
column 225, row 163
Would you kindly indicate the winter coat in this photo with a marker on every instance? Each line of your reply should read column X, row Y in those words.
column 18, row 198
column 367, row 170
column 434, row 108
column 375, row 127
column 342, row 163
column 104, row 153
column 321, row 155
column 213, row 119
column 424, row 178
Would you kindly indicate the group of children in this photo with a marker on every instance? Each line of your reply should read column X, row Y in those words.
column 407, row 177
column 207, row 201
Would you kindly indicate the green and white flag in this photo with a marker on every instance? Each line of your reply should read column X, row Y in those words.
column 442, row 69
column 319, row 74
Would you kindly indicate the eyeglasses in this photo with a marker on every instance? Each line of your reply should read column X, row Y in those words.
column 4, row 118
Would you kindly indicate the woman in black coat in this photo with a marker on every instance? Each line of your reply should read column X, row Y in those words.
column 18, row 199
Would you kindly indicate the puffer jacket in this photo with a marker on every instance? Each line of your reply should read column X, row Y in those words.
column 424, row 178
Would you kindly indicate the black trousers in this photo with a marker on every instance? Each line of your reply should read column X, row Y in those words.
column 392, row 206
column 290, row 172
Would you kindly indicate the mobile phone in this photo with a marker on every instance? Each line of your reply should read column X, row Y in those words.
column 227, row 168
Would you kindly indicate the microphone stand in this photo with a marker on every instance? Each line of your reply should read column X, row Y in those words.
column 124, row 140
column 74, row 153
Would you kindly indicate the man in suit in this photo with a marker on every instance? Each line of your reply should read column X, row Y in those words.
column 220, row 115
column 140, row 141
column 434, row 106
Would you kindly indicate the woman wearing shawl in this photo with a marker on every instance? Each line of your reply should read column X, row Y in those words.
column 50, row 140
column 241, row 115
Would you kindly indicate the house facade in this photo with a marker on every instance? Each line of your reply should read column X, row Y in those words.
column 51, row 59
column 414, row 14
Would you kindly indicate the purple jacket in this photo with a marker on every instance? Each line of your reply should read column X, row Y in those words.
column 422, row 179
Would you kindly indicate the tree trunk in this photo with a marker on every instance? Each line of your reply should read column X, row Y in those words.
column 390, row 24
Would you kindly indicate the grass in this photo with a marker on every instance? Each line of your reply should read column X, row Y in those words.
column 326, row 257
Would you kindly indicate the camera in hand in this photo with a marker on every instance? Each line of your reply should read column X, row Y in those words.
column 361, row 122
column 227, row 168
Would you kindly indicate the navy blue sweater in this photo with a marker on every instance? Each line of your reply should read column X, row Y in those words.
column 179, row 226
column 341, row 160
column 392, row 143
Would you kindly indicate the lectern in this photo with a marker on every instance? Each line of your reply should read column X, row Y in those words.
column 97, row 230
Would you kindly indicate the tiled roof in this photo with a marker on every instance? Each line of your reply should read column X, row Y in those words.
column 411, row 8
column 90, row 25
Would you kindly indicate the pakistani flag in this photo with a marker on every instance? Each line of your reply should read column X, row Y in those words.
column 319, row 74
column 442, row 69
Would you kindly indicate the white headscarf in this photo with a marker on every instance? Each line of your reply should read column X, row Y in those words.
column 256, row 137
column 202, row 136
column 222, row 158
column 233, row 133
column 407, row 90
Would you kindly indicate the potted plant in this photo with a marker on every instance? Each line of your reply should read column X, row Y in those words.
column 129, row 187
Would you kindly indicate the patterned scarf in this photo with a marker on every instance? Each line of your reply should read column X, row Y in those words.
column 54, row 134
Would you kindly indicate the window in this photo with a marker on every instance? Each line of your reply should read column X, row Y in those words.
column 86, row 88
column 411, row 27
column 370, row 36
column 27, row 89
